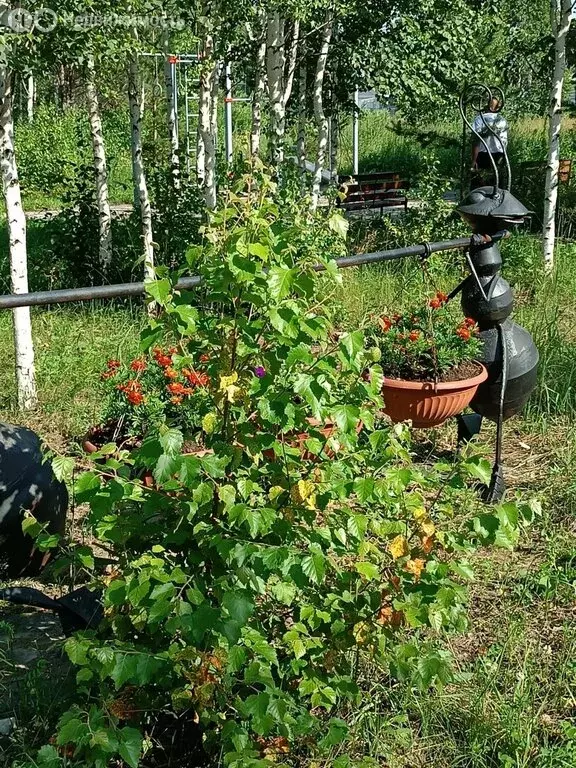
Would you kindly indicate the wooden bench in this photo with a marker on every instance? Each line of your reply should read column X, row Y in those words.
column 374, row 190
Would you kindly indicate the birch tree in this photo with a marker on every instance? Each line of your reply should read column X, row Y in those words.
column 561, row 13
column 172, row 113
column 281, row 70
column 30, row 96
column 258, row 94
column 302, row 113
column 139, row 176
column 319, row 113
column 207, row 122
column 100, row 169
column 16, row 220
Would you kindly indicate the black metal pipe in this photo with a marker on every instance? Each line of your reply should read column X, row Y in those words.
column 43, row 298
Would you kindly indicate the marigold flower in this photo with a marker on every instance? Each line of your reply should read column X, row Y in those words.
column 204, row 358
column 196, row 379
column 113, row 365
column 178, row 389
column 135, row 398
column 164, row 360
column 435, row 303
column 414, row 336
column 470, row 322
column 442, row 297
column 385, row 324
column 133, row 385
column 138, row 366
column 171, row 373
column 464, row 333
column 176, row 400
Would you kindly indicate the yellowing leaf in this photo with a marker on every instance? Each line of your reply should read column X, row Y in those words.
column 428, row 528
column 275, row 492
column 420, row 513
column 228, row 387
column 361, row 632
column 302, row 492
column 415, row 567
column 399, row 547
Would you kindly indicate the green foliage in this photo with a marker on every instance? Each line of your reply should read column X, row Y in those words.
column 252, row 574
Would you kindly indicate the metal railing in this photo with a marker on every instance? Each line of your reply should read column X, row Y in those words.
column 121, row 290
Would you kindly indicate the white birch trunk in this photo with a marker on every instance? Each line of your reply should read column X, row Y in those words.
column 275, row 63
column 172, row 115
column 207, row 123
column 334, row 145
column 31, row 97
column 140, row 184
column 24, row 346
column 319, row 114
column 259, row 87
column 561, row 17
column 100, row 169
column 301, row 141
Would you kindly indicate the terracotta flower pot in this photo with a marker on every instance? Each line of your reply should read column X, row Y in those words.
column 426, row 403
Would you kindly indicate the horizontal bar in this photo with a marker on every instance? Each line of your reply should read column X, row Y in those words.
column 43, row 298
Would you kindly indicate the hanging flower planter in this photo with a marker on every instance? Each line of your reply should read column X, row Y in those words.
column 428, row 404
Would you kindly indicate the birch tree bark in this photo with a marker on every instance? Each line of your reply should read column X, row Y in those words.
column 319, row 114
column 561, row 12
column 139, row 176
column 100, row 169
column 207, row 123
column 31, row 97
column 259, row 87
column 281, row 72
column 24, row 346
column 301, row 141
column 172, row 113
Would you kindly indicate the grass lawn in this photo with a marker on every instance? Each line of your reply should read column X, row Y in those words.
column 514, row 704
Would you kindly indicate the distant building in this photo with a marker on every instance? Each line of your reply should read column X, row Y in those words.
column 369, row 101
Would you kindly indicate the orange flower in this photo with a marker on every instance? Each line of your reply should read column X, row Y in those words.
column 179, row 390
column 113, row 365
column 196, row 379
column 435, row 304
column 176, row 400
column 204, row 358
column 135, row 398
column 164, row 360
column 385, row 324
column 414, row 336
column 470, row 322
column 442, row 297
column 464, row 333
column 171, row 373
column 138, row 366
column 131, row 386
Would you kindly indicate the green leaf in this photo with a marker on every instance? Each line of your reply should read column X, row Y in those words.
column 165, row 468
column 346, row 417
column 48, row 757
column 339, row 225
column 130, row 748
column 227, row 495
column 63, row 467
column 280, row 281
column 172, row 441
column 368, row 570
column 239, row 605
column 74, row 731
column 337, row 733
column 159, row 291
column 314, row 567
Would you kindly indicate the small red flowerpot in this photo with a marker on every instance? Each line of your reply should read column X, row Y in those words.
column 426, row 403
column 299, row 440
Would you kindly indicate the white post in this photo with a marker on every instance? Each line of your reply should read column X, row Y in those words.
column 356, row 134
column 561, row 12
column 228, row 125
column 16, row 220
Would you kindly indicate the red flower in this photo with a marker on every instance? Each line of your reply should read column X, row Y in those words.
column 135, row 398
column 464, row 333
column 176, row 400
column 178, row 390
column 204, row 358
column 171, row 373
column 442, row 297
column 164, row 360
column 414, row 336
column 436, row 303
column 385, row 324
column 196, row 379
column 138, row 366
column 131, row 386
column 470, row 322
column 113, row 365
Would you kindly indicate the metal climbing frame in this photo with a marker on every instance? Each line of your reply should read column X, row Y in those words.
column 187, row 87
